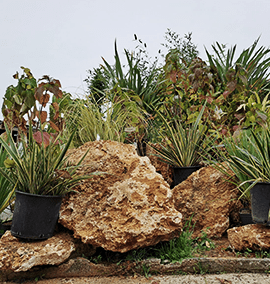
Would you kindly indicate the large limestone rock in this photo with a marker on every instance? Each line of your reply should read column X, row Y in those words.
column 128, row 208
column 252, row 236
column 19, row 256
column 210, row 199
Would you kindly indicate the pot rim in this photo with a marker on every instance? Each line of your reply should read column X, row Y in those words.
column 189, row 167
column 260, row 182
column 37, row 195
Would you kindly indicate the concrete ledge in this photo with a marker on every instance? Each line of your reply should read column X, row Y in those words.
column 81, row 267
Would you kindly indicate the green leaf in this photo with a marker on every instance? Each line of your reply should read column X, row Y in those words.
column 18, row 99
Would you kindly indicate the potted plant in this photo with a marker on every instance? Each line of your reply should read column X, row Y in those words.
column 248, row 157
column 182, row 145
column 39, row 170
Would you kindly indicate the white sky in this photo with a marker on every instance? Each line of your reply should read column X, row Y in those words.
column 64, row 38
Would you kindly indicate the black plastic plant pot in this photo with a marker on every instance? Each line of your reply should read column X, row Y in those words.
column 260, row 202
column 35, row 216
column 245, row 216
column 182, row 173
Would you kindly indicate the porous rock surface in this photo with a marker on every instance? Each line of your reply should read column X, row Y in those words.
column 253, row 236
column 127, row 208
column 164, row 169
column 210, row 199
column 17, row 255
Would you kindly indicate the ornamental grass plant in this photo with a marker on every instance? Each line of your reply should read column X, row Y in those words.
column 111, row 121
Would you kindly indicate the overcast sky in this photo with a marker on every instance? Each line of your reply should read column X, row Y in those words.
column 65, row 38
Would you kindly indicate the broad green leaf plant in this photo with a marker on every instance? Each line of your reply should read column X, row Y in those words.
column 20, row 99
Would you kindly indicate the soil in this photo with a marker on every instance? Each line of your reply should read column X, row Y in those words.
column 221, row 249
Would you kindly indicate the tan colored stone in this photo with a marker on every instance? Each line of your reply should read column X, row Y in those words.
column 17, row 255
column 251, row 236
column 164, row 169
column 128, row 208
column 209, row 198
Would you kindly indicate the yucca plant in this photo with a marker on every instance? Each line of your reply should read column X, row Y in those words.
column 39, row 168
column 250, row 162
column 229, row 147
column 251, row 67
column 145, row 87
column 182, row 143
column 248, row 157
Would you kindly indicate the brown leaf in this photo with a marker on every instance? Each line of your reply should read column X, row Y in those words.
column 56, row 115
column 226, row 94
column 55, row 106
column 53, row 126
column 38, row 138
column 60, row 123
column 54, row 88
column 239, row 116
column 42, row 115
column 198, row 72
column 195, row 86
column 59, row 94
column 44, row 99
column 231, row 86
column 224, row 131
column 209, row 100
column 5, row 112
column 175, row 75
column 16, row 76
column 22, row 124
column 235, row 127
column 63, row 174
column 39, row 91
column 57, row 82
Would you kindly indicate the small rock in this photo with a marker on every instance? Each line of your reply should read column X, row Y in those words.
column 17, row 255
column 251, row 236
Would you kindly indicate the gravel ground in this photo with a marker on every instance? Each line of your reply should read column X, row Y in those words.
column 247, row 278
